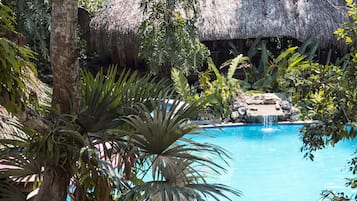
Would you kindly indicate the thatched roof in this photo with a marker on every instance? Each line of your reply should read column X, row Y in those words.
column 113, row 30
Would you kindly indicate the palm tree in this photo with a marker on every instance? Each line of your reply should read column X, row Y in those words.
column 173, row 160
column 125, row 125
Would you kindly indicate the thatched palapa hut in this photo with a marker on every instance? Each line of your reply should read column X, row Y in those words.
column 114, row 29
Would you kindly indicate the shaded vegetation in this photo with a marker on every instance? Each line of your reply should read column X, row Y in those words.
column 218, row 92
column 169, row 37
column 15, row 60
column 328, row 93
column 125, row 128
column 33, row 22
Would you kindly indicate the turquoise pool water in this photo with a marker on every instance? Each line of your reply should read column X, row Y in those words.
column 267, row 164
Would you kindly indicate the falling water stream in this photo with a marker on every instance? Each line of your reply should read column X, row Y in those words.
column 268, row 121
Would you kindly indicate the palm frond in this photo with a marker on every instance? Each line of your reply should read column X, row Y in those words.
column 106, row 99
column 11, row 129
column 175, row 162
column 216, row 191
column 20, row 169
column 157, row 130
column 99, row 108
column 106, row 168
column 93, row 167
column 195, row 150
column 162, row 191
column 9, row 191
column 19, row 165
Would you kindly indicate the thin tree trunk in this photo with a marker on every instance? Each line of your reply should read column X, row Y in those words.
column 66, row 88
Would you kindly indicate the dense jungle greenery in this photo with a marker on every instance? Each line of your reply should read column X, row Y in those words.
column 15, row 62
column 169, row 38
column 125, row 131
column 330, row 92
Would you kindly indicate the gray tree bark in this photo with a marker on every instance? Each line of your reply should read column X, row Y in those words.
column 64, row 56
column 66, row 89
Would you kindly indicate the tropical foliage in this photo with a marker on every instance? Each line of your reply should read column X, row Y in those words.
column 33, row 21
column 329, row 94
column 174, row 161
column 169, row 37
column 91, row 5
column 15, row 64
column 265, row 74
column 217, row 93
column 126, row 129
column 259, row 76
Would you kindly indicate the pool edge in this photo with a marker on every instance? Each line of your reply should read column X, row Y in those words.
column 247, row 124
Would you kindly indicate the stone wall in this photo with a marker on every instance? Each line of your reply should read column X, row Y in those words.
column 252, row 108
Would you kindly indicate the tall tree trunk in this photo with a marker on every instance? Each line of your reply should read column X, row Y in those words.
column 66, row 88
column 55, row 184
column 64, row 56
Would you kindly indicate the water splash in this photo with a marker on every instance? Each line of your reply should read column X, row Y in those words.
column 268, row 122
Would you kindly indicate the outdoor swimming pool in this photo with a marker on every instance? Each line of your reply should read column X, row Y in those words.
column 267, row 163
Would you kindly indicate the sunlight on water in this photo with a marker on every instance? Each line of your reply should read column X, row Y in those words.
column 268, row 130
column 267, row 164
